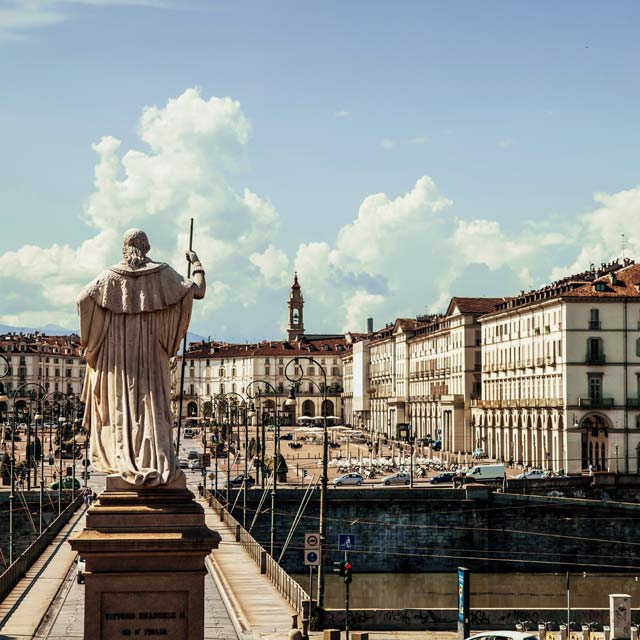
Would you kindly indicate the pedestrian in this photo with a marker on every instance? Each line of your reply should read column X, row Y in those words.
column 590, row 469
column 200, row 489
column 94, row 497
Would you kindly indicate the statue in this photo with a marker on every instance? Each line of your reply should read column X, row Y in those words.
column 132, row 320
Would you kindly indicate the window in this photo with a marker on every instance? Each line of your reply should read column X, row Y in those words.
column 594, row 319
column 191, row 390
column 68, row 373
column 310, row 387
column 267, row 371
column 638, row 347
column 595, row 351
column 595, row 386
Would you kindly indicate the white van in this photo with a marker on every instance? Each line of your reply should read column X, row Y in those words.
column 486, row 472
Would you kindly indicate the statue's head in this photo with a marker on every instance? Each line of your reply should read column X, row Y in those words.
column 135, row 246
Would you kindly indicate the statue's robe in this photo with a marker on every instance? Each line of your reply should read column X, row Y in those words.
column 131, row 323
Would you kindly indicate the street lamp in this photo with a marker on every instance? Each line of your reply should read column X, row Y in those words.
column 325, row 455
column 276, row 456
column 12, row 494
column 229, row 405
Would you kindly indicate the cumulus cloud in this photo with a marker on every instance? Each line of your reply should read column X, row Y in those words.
column 342, row 113
column 191, row 144
column 419, row 140
column 504, row 144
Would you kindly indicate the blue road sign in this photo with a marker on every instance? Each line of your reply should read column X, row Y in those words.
column 346, row 542
column 311, row 558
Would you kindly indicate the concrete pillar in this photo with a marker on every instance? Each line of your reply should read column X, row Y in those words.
column 620, row 615
column 542, row 632
column 563, row 632
column 634, row 633
column 585, row 632
column 606, row 629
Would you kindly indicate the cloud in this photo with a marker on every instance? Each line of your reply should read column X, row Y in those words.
column 387, row 144
column 342, row 114
column 192, row 143
column 19, row 16
column 504, row 144
column 419, row 140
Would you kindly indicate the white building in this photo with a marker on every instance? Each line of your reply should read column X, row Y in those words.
column 561, row 370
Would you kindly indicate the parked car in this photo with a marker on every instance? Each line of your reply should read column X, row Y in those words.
column 286, row 436
column 505, row 635
column 193, row 455
column 443, row 478
column 348, row 478
column 67, row 483
column 194, row 464
column 184, row 463
column 436, row 445
column 397, row 478
column 238, row 481
column 533, row 474
column 81, row 564
column 478, row 453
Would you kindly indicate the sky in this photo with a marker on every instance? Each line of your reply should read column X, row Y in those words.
column 394, row 154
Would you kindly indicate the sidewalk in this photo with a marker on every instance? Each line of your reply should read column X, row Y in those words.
column 254, row 600
column 23, row 610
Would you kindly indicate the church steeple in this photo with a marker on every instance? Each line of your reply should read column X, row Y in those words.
column 295, row 330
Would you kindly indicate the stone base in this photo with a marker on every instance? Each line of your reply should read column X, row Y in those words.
column 145, row 551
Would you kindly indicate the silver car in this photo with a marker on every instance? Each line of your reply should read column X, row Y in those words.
column 348, row 478
column 397, row 478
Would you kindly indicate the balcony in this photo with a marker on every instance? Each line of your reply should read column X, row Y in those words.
column 595, row 358
column 595, row 403
column 633, row 403
column 595, row 325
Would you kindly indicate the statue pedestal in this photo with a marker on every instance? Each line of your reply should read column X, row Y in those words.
column 145, row 551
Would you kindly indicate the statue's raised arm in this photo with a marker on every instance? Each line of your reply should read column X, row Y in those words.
column 133, row 317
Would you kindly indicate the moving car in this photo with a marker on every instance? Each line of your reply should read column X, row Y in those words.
column 505, row 635
column 81, row 564
column 194, row 464
column 286, row 436
column 184, row 464
column 67, row 483
column 443, row 478
column 193, row 455
column 397, row 478
column 533, row 474
column 238, row 481
column 348, row 478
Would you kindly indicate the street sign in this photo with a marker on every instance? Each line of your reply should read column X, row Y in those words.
column 346, row 542
column 311, row 541
column 311, row 558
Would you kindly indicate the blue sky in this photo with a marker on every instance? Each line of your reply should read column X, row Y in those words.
column 489, row 128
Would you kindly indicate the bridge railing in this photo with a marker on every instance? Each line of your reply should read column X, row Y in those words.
column 290, row 590
column 19, row 567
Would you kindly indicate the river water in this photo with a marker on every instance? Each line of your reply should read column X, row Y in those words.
column 499, row 590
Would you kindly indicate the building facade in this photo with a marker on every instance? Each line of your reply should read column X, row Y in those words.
column 561, row 372
column 240, row 371
column 54, row 362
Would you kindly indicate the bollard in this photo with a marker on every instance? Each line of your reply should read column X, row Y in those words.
column 331, row 634
column 634, row 632
column 620, row 615
column 263, row 562
column 237, row 533
column 585, row 632
column 563, row 632
column 606, row 629
column 542, row 632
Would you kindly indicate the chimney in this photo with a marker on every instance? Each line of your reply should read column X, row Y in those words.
column 369, row 325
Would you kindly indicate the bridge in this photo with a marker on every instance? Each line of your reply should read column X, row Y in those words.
column 241, row 602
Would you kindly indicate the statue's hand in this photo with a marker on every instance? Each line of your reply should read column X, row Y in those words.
column 192, row 256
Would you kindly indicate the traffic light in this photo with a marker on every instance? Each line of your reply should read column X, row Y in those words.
column 304, row 473
column 339, row 567
column 348, row 568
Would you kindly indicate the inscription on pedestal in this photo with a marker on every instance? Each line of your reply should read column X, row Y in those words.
column 144, row 614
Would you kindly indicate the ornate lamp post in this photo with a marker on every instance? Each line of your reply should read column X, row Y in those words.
column 223, row 398
column 325, row 454
column 12, row 495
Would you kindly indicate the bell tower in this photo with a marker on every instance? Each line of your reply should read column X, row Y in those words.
column 295, row 330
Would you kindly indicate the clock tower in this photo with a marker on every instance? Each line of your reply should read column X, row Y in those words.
column 295, row 330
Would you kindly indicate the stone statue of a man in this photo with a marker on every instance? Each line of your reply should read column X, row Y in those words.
column 132, row 320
